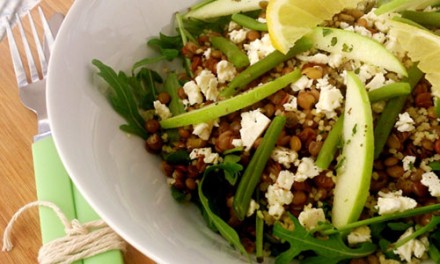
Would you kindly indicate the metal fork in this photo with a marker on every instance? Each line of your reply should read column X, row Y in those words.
column 33, row 91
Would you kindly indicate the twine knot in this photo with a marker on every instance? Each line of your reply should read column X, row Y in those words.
column 81, row 240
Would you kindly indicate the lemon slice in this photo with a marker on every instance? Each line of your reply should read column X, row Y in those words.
column 289, row 20
column 422, row 47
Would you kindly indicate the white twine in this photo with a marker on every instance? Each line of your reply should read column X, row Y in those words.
column 81, row 240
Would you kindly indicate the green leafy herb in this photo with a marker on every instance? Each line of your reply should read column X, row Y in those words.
column 223, row 228
column 122, row 99
column 144, row 85
column 330, row 250
column 178, row 157
column 178, row 195
column 172, row 86
column 231, row 168
column 435, row 165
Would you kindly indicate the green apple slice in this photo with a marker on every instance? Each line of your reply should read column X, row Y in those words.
column 356, row 47
column 400, row 5
column 356, row 161
column 220, row 8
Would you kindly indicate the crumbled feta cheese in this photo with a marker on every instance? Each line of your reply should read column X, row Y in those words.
column 284, row 156
column 291, row 105
column 377, row 81
column 276, row 210
column 238, row 36
column 408, row 162
column 207, row 82
column 335, row 60
column 318, row 58
column 310, row 217
column 416, row 247
column 237, row 142
column 359, row 235
column 162, row 110
column 330, row 99
column 207, row 53
column 302, row 83
column 253, row 206
column 394, row 202
column 208, row 156
column 306, row 169
column 277, row 197
column 431, row 180
column 405, row 123
column 261, row 20
column 232, row 25
column 192, row 90
column 253, row 124
column 285, row 179
column 203, row 130
column 225, row 71
column 259, row 48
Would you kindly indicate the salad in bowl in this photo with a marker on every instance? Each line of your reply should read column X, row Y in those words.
column 302, row 130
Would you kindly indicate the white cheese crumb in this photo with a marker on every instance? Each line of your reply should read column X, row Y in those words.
column 318, row 58
column 377, row 82
column 238, row 36
column 259, row 48
column 192, row 90
column 207, row 82
column 209, row 156
column 277, row 197
column 207, row 53
column 431, row 180
column 232, row 25
column 335, row 60
column 225, row 71
column 284, row 156
column 330, row 99
column 162, row 110
column 405, row 123
column 237, row 142
column 203, row 130
column 359, row 235
column 306, row 169
column 253, row 124
column 394, row 202
column 408, row 162
column 291, row 105
column 416, row 247
column 285, row 179
column 253, row 206
column 302, row 83
column 310, row 217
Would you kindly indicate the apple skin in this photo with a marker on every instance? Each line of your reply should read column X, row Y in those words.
column 356, row 161
column 356, row 47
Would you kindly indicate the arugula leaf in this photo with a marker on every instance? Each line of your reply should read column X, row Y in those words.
column 231, row 168
column 122, row 99
column 331, row 250
column 171, row 86
column 223, row 228
column 144, row 85
column 196, row 27
column 434, row 246
column 168, row 47
column 177, row 157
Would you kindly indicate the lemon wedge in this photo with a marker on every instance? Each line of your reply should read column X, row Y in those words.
column 422, row 47
column 289, row 20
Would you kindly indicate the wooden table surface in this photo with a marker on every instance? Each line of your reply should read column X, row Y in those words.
column 17, row 185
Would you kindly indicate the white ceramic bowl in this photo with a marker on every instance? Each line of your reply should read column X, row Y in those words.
column 121, row 181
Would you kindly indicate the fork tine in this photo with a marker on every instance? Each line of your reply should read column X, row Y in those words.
column 38, row 45
column 20, row 73
column 27, row 49
column 46, row 29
